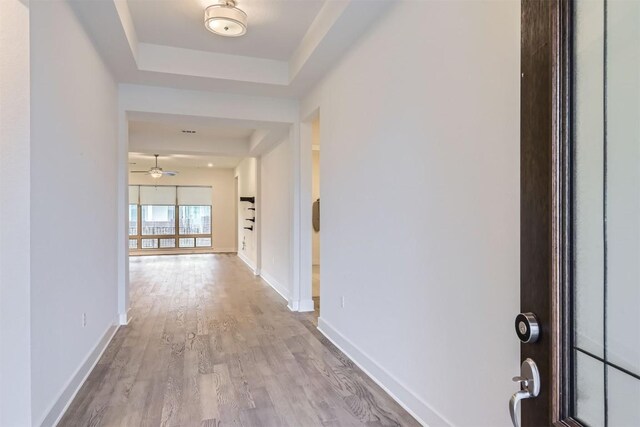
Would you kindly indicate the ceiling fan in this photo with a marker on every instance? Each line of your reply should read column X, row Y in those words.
column 157, row 172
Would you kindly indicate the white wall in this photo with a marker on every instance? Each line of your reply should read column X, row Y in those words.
column 247, row 187
column 74, row 135
column 420, row 206
column 15, row 370
column 223, row 212
column 275, row 196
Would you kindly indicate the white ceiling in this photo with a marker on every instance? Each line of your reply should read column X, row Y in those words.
column 289, row 45
column 218, row 131
column 143, row 161
column 222, row 142
column 275, row 27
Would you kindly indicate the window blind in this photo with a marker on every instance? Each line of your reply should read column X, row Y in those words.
column 195, row 196
column 157, row 195
column 134, row 190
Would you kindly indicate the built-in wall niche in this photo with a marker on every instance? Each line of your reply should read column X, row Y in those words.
column 250, row 208
column 170, row 218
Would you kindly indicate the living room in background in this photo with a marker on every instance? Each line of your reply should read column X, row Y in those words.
column 170, row 219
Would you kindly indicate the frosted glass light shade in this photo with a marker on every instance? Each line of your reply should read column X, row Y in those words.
column 225, row 20
column 156, row 173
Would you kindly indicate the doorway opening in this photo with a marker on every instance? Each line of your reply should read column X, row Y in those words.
column 315, row 197
column 236, row 195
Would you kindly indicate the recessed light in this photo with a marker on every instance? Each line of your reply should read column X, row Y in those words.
column 210, row 165
column 225, row 19
column 188, row 131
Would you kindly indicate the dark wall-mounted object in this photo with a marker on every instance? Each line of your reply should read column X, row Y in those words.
column 315, row 219
column 249, row 228
column 251, row 219
column 248, row 199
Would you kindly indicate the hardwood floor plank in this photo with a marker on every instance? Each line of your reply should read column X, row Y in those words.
column 210, row 344
column 208, row 397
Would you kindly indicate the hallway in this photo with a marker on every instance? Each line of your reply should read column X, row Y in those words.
column 210, row 344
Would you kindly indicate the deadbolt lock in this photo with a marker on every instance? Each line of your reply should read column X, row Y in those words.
column 527, row 327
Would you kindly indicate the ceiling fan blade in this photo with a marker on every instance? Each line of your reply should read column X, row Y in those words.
column 169, row 173
column 138, row 171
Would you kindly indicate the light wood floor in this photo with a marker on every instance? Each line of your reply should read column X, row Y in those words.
column 212, row 345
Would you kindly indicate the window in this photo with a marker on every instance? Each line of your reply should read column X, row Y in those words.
column 133, row 220
column 606, row 249
column 167, row 243
column 158, row 220
column 195, row 220
column 203, row 242
column 186, row 243
column 149, row 243
column 169, row 217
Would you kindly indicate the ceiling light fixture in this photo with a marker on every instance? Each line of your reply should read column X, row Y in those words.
column 155, row 172
column 225, row 19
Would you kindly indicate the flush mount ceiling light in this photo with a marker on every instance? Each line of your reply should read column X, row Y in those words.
column 225, row 19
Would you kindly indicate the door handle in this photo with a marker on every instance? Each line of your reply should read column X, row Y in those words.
column 529, row 381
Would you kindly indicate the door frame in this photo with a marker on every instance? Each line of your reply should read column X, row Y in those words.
column 546, row 204
column 305, row 228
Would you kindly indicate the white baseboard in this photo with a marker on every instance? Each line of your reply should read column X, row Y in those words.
column 247, row 261
column 125, row 318
column 293, row 305
column 306, row 305
column 57, row 410
column 279, row 288
column 300, row 305
column 224, row 250
column 406, row 398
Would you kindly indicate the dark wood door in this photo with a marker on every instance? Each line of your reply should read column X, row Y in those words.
column 544, row 198
column 580, row 204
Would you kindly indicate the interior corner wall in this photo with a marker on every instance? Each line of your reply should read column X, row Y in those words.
column 275, row 197
column 246, row 172
column 420, row 205
column 15, row 329
column 74, row 217
column 223, row 208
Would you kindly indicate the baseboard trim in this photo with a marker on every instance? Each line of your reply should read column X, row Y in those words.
column 125, row 318
column 302, row 306
column 224, row 250
column 293, row 305
column 171, row 251
column 275, row 285
column 247, row 261
column 306, row 305
column 58, row 409
column 406, row 398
